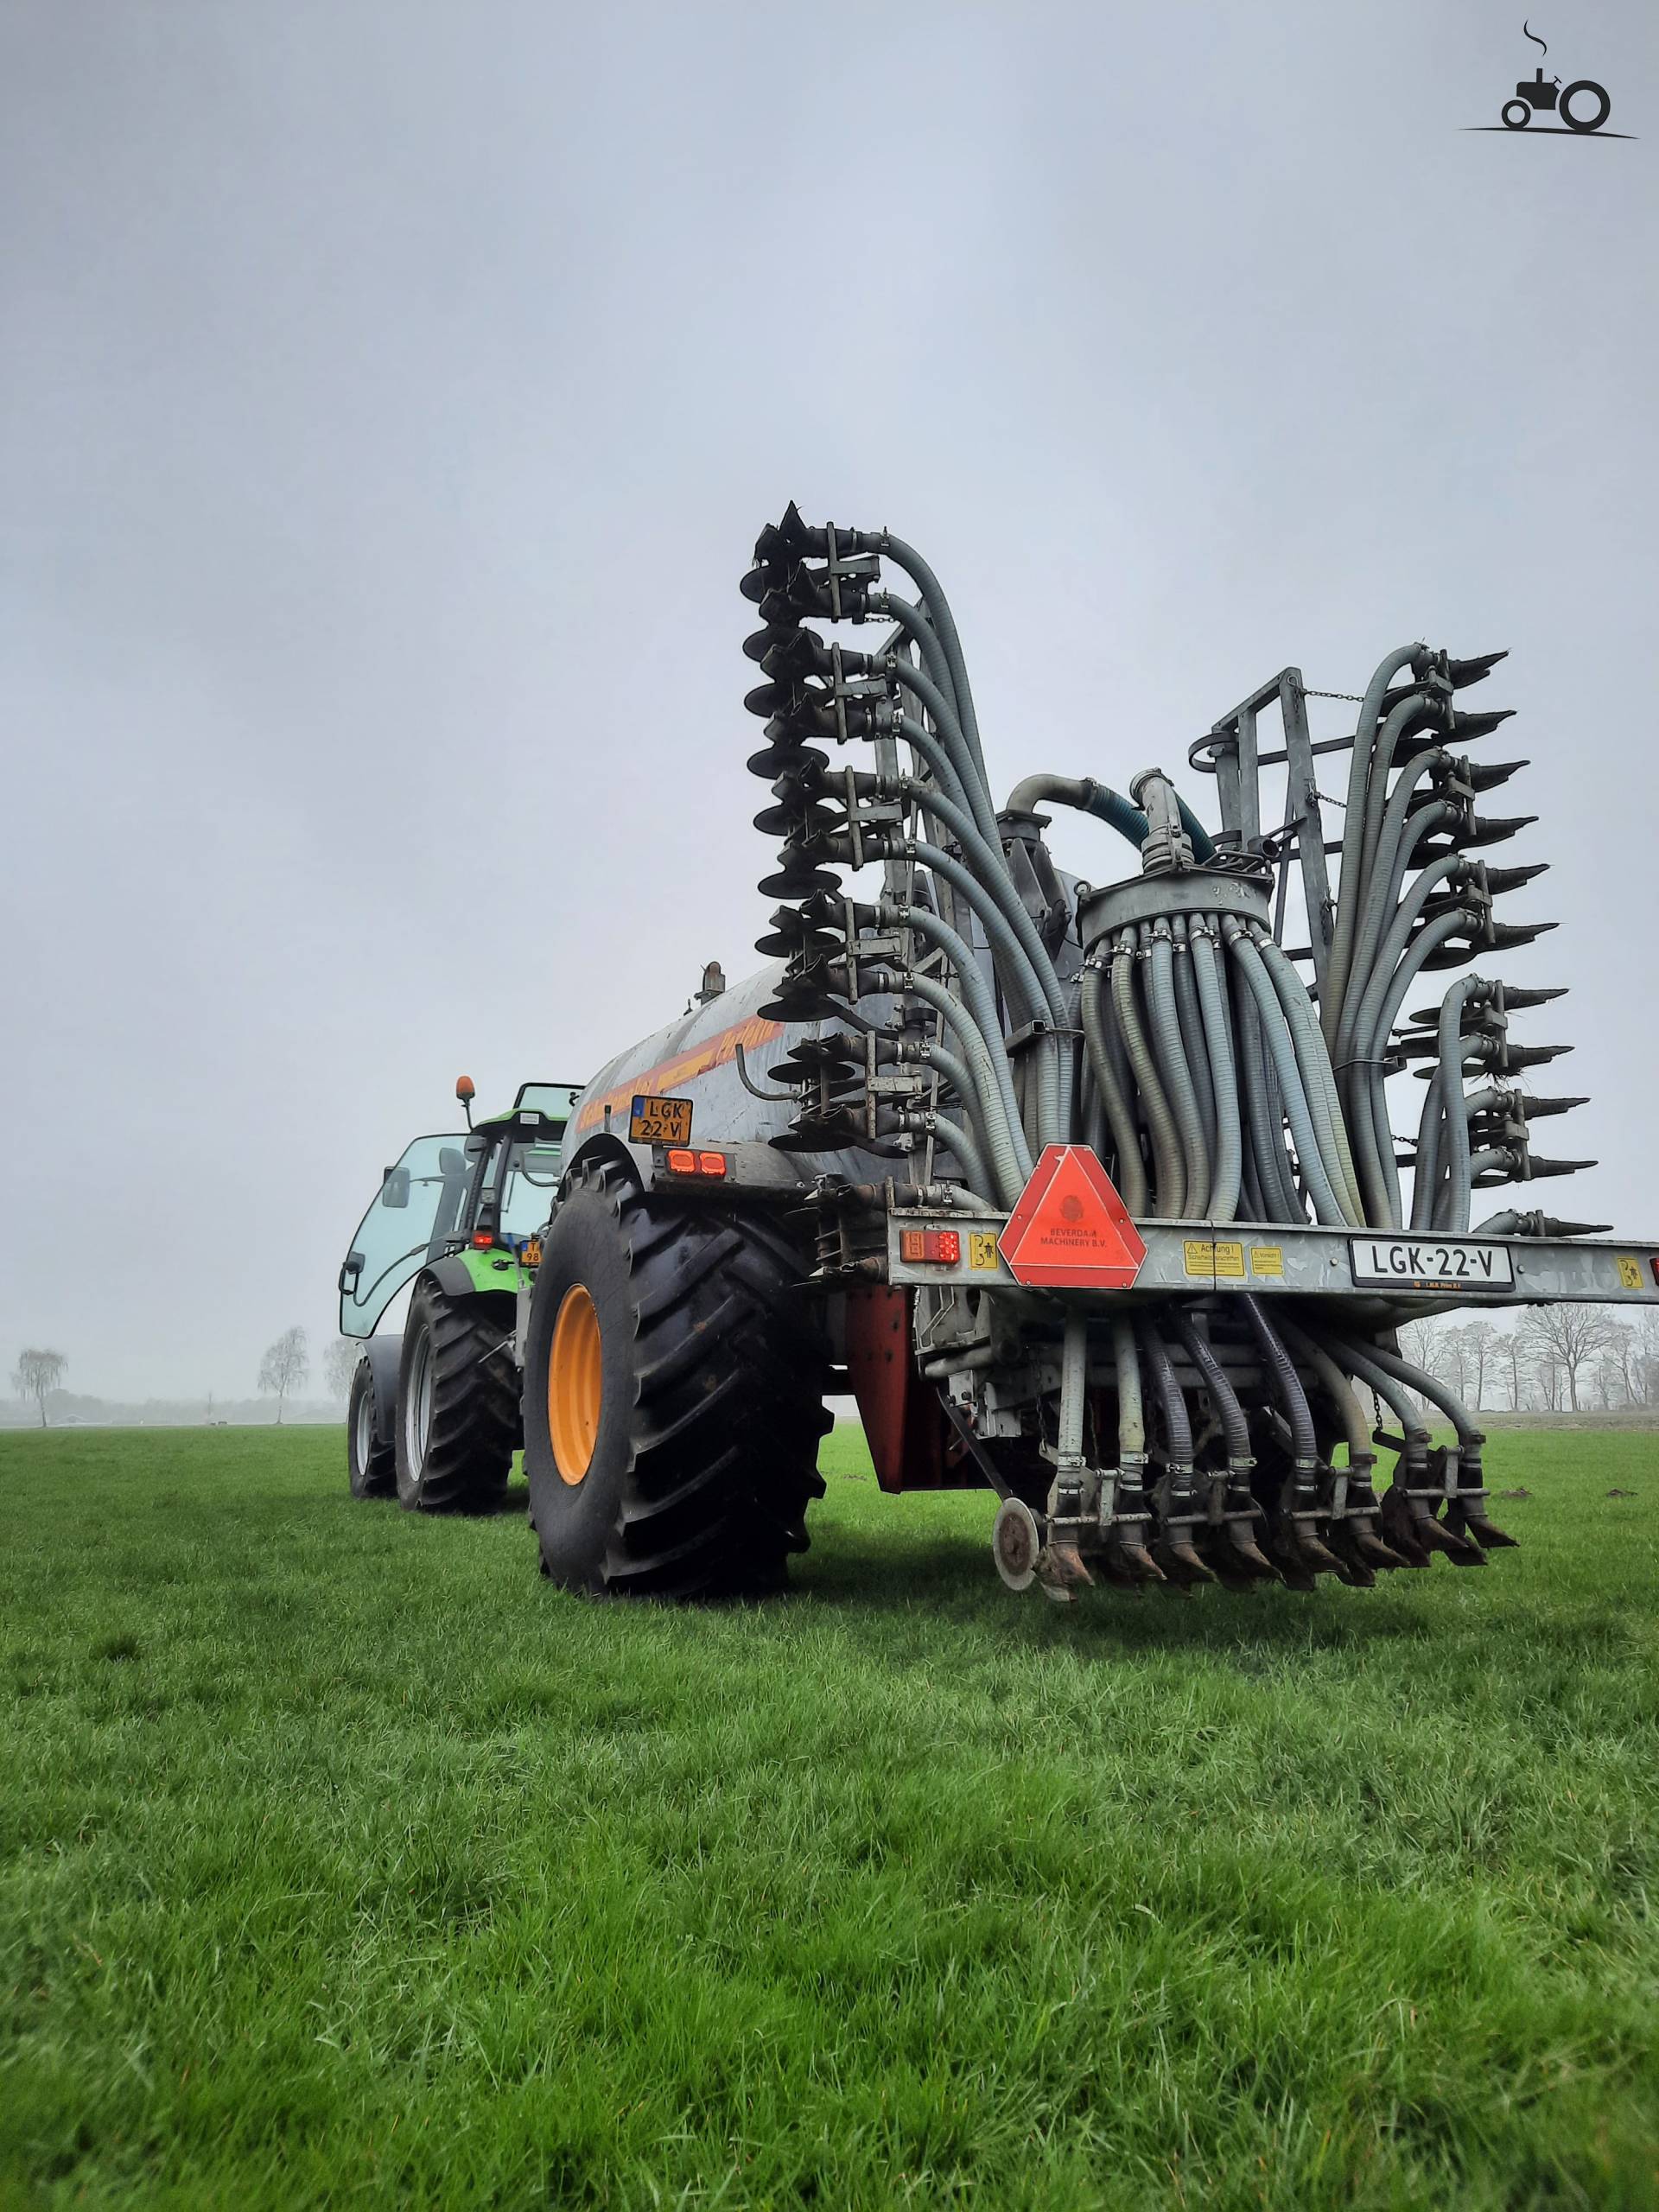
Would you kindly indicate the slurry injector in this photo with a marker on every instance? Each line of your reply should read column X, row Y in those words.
column 1089, row 1189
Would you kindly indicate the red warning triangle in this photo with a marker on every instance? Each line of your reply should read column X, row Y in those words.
column 1071, row 1231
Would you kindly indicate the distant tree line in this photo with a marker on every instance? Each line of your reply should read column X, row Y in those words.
column 37, row 1377
column 1547, row 1359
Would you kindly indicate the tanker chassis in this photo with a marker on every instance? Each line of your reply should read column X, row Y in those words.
column 1088, row 1191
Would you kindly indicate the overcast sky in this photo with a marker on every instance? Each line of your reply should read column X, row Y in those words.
column 389, row 395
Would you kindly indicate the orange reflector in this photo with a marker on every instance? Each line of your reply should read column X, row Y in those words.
column 1071, row 1231
column 711, row 1163
column 682, row 1163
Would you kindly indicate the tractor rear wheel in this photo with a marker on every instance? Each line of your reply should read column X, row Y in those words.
column 674, row 1379
column 457, row 1421
column 372, row 1465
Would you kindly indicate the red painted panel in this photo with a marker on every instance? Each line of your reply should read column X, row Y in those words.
column 912, row 1442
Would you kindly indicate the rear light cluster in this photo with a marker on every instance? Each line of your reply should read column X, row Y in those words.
column 942, row 1246
column 681, row 1161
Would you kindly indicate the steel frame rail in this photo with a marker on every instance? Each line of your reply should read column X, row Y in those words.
column 1204, row 1259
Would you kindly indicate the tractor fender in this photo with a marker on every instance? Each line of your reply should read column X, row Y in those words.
column 755, row 1169
column 457, row 1278
column 382, row 1355
column 634, row 1160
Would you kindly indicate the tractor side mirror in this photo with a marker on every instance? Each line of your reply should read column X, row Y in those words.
column 394, row 1191
column 350, row 1273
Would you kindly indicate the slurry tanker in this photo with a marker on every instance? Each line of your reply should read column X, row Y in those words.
column 1088, row 1189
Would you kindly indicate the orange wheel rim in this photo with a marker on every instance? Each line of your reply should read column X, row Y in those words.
column 575, row 1375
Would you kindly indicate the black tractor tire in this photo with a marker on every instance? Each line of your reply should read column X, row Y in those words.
column 1604, row 106
column 700, row 1433
column 457, row 1421
column 371, row 1464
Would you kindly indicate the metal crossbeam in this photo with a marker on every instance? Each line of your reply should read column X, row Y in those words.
column 1207, row 1259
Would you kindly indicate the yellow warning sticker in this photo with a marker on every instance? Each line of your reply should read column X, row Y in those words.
column 1629, row 1273
column 1266, row 1258
column 1199, row 1256
column 981, row 1249
column 1230, row 1260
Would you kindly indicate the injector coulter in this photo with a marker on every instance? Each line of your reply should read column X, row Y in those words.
column 1089, row 1189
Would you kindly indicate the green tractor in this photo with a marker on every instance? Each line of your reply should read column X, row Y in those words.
column 434, row 1417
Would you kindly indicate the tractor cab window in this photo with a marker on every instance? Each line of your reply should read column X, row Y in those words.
column 532, row 1178
column 419, row 1198
column 556, row 1100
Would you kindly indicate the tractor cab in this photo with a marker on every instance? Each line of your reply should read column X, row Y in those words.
column 482, row 1193
column 516, row 1174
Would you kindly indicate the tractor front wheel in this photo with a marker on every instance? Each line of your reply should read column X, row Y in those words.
column 372, row 1465
column 457, row 1402
column 674, row 1378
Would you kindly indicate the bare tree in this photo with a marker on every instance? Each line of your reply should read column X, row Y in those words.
column 1548, row 1371
column 1480, row 1342
column 1422, row 1343
column 339, row 1364
column 1622, row 1363
column 1512, row 1352
column 1646, row 1368
column 37, row 1375
column 1565, row 1337
column 1455, row 1362
column 1419, row 1339
column 285, row 1366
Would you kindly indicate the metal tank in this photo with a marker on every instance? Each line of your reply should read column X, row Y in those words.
column 728, row 1056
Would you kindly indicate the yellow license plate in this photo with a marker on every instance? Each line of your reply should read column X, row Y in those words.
column 660, row 1121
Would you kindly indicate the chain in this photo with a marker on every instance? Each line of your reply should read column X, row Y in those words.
column 1359, row 697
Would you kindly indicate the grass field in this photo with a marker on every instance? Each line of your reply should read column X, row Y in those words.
column 343, row 1860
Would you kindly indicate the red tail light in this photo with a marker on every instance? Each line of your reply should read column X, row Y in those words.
column 942, row 1247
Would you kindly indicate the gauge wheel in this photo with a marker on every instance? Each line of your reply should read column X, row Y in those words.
column 371, row 1464
column 457, row 1402
column 674, row 1379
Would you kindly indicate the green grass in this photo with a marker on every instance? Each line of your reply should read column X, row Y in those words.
column 342, row 1860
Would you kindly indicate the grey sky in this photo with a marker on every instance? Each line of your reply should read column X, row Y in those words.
column 389, row 395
